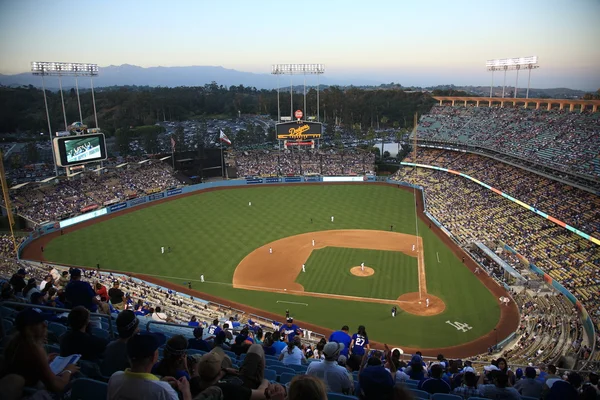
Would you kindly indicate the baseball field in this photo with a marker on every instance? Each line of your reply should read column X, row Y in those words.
column 253, row 256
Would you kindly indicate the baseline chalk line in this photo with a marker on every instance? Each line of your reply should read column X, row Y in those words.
column 291, row 302
column 438, row 256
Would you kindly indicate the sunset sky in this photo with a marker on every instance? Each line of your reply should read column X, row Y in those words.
column 411, row 42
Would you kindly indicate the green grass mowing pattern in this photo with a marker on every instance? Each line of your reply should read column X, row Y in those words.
column 328, row 271
column 211, row 232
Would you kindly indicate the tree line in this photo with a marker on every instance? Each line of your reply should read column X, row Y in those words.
column 127, row 107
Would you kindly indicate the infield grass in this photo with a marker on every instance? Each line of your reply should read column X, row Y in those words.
column 328, row 271
column 210, row 233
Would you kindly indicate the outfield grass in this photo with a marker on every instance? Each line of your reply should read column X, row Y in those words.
column 211, row 232
column 328, row 271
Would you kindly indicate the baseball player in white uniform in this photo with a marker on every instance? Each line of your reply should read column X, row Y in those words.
column 250, row 203
column 270, row 250
column 413, row 248
column 303, row 268
column 427, row 302
column 477, row 270
column 162, row 249
column 332, row 218
column 362, row 266
column 313, row 242
column 201, row 278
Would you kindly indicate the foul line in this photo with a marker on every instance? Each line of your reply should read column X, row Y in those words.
column 291, row 302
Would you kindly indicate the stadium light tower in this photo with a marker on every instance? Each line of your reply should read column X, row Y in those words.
column 297, row 69
column 60, row 69
column 507, row 64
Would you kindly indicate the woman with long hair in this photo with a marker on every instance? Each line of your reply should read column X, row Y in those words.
column 503, row 366
column 292, row 354
column 25, row 355
column 360, row 342
column 30, row 288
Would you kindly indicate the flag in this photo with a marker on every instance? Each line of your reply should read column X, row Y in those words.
column 172, row 144
column 223, row 138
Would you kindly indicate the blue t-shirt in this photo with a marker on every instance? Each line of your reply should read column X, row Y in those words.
column 278, row 346
column 290, row 331
column 341, row 337
column 80, row 293
column 213, row 330
column 193, row 323
column 360, row 342
column 198, row 344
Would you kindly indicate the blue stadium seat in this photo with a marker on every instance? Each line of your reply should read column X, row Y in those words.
column 231, row 354
column 411, row 382
column 444, row 396
column 528, row 398
column 298, row 368
column 242, row 356
column 270, row 375
column 7, row 325
column 101, row 333
column 338, row 396
column 89, row 389
column 276, row 358
column 280, row 370
column 285, row 378
column 274, row 362
column 420, row 394
column 57, row 329
column 191, row 352
column 7, row 312
column 52, row 349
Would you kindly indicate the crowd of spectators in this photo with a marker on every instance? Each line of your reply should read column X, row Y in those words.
column 561, row 139
column 473, row 213
column 304, row 162
column 54, row 201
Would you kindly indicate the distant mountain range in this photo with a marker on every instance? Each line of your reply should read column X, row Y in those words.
column 132, row 75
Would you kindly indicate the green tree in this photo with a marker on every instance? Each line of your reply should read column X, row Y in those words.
column 122, row 140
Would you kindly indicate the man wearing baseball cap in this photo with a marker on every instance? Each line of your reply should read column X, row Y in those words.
column 375, row 382
column 290, row 330
column 137, row 382
column 335, row 376
column 80, row 293
column 529, row 386
column 115, row 354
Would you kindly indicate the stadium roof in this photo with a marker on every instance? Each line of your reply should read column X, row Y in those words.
column 513, row 272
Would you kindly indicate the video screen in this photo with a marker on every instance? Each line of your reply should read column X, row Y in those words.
column 82, row 150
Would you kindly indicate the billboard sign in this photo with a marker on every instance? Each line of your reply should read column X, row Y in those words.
column 299, row 131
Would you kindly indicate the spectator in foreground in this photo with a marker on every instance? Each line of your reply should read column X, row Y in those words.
column 77, row 340
column 435, row 383
column 306, row 387
column 469, row 386
column 565, row 390
column 499, row 389
column 138, row 382
column 375, row 383
column 25, row 354
column 174, row 361
column 252, row 370
column 102, row 292
column 334, row 375
column 529, row 386
column 360, row 342
column 292, row 354
column 212, row 367
column 115, row 355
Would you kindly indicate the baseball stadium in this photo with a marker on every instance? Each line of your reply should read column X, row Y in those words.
column 481, row 246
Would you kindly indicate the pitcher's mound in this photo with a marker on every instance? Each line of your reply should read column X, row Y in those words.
column 357, row 271
column 409, row 302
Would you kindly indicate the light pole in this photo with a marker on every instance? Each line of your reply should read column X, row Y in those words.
column 509, row 64
column 60, row 69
